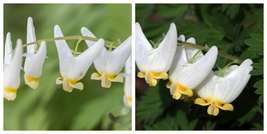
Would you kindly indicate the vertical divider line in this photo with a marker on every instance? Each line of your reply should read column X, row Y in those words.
column 133, row 66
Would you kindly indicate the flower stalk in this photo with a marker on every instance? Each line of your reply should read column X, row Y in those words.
column 107, row 43
column 205, row 48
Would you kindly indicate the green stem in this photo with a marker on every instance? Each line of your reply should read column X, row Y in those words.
column 76, row 47
column 222, row 71
column 222, row 54
column 70, row 38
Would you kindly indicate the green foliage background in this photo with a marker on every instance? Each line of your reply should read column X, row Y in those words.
column 49, row 106
column 236, row 29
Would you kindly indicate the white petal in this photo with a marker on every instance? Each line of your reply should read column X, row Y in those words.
column 190, row 52
column 30, row 36
column 64, row 52
column 181, row 38
column 142, row 48
column 118, row 57
column 235, row 82
column 191, row 75
column 161, row 58
column 81, row 63
column 128, row 77
column 101, row 60
column 34, row 63
column 87, row 32
column 178, row 60
column 12, row 71
column 8, row 49
column 207, row 87
column 10, row 96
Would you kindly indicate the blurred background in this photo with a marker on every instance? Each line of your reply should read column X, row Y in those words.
column 236, row 29
column 49, row 107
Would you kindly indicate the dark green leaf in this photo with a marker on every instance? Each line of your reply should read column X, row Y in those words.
column 256, row 72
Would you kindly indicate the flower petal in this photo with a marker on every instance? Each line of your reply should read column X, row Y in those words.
column 161, row 58
column 190, row 52
column 234, row 82
column 117, row 58
column 30, row 36
column 142, row 48
column 78, row 85
column 207, row 88
column 12, row 73
column 88, row 33
column 8, row 49
column 64, row 52
column 81, row 63
column 181, row 38
column 34, row 63
column 128, row 78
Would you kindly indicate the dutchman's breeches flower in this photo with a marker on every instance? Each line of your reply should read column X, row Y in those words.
column 34, row 59
column 219, row 91
column 12, row 66
column 189, row 68
column 73, row 68
column 109, row 63
column 127, row 98
column 154, row 63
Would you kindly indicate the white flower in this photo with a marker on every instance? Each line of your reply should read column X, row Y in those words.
column 154, row 63
column 73, row 69
column 34, row 60
column 189, row 68
column 109, row 63
column 127, row 98
column 12, row 66
column 218, row 92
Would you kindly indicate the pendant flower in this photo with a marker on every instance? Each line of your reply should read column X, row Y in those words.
column 109, row 63
column 34, row 59
column 73, row 69
column 218, row 92
column 12, row 66
column 154, row 63
column 189, row 68
column 127, row 98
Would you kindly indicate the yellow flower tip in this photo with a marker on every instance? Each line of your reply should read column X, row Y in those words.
column 176, row 95
column 10, row 90
column 66, row 85
column 168, row 85
column 224, row 106
column 201, row 101
column 75, row 84
column 95, row 76
column 118, row 78
column 105, row 83
column 141, row 74
column 10, row 93
column 184, row 90
column 129, row 99
column 152, row 82
column 213, row 110
column 59, row 80
column 159, row 75
column 69, row 90
column 33, row 82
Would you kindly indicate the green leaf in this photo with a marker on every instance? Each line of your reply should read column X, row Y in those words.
column 153, row 103
column 171, row 10
column 259, row 86
column 258, row 65
column 256, row 72
column 261, row 99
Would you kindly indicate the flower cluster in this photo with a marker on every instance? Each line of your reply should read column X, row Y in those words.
column 190, row 71
column 73, row 65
